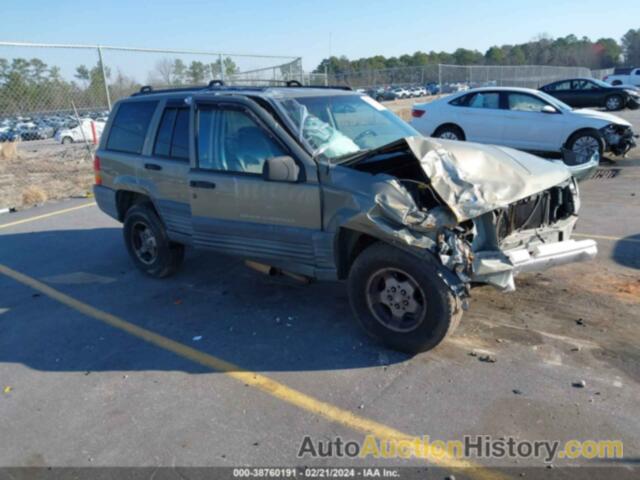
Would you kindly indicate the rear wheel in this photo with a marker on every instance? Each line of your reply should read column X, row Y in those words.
column 613, row 102
column 585, row 143
column 449, row 132
column 67, row 140
column 148, row 244
column 400, row 300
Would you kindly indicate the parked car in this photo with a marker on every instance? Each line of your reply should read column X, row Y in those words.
column 83, row 132
column 526, row 119
column 346, row 190
column 418, row 92
column 589, row 92
column 433, row 88
column 624, row 76
column 401, row 92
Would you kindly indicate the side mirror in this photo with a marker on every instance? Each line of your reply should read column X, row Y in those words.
column 281, row 169
column 549, row 109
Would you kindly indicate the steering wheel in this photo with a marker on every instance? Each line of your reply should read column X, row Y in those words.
column 363, row 135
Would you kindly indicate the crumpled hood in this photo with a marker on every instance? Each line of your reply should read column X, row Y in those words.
column 604, row 116
column 473, row 179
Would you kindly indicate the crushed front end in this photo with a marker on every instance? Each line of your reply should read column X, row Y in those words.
column 619, row 139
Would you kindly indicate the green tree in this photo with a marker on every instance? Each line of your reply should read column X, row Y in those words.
column 631, row 47
column 196, row 72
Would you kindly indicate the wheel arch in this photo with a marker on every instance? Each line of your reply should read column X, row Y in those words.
column 450, row 125
column 125, row 199
column 348, row 245
column 584, row 130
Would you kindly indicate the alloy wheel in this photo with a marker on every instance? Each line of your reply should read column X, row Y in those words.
column 144, row 242
column 396, row 300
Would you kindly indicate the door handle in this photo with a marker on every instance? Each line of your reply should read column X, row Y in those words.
column 152, row 166
column 201, row 184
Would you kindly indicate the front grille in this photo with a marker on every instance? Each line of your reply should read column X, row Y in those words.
column 542, row 209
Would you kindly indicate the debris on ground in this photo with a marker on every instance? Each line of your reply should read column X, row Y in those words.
column 197, row 338
column 580, row 322
column 7, row 389
column 487, row 358
column 579, row 384
column 516, row 391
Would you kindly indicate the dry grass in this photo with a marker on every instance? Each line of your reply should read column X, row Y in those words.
column 39, row 171
column 8, row 150
column 33, row 195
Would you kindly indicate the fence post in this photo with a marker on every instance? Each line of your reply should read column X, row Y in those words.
column 104, row 77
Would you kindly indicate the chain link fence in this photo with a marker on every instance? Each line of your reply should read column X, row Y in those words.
column 55, row 99
column 451, row 78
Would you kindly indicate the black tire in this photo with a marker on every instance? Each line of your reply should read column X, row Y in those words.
column 574, row 140
column 614, row 102
column 438, row 318
column 67, row 140
column 616, row 83
column 447, row 132
column 158, row 262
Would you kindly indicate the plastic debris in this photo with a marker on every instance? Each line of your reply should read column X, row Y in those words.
column 7, row 389
column 579, row 384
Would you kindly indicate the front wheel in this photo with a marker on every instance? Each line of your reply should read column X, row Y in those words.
column 400, row 300
column 585, row 143
column 67, row 140
column 148, row 244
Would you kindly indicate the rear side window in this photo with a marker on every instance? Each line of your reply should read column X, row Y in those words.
column 484, row 100
column 129, row 128
column 172, row 139
column 558, row 87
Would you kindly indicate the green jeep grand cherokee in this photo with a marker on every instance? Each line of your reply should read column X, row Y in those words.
column 328, row 184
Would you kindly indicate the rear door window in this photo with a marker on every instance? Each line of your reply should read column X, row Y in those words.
column 129, row 127
column 560, row 87
column 172, row 139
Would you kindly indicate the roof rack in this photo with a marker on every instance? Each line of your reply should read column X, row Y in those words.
column 219, row 84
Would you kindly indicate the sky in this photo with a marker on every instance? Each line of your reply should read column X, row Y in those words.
column 308, row 29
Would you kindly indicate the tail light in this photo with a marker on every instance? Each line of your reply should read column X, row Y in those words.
column 96, row 170
column 417, row 113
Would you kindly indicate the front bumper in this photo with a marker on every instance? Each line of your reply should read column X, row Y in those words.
column 548, row 255
column 619, row 139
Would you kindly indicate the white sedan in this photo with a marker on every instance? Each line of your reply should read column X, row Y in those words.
column 525, row 119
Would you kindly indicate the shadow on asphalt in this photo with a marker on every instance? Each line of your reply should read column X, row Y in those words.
column 257, row 322
column 626, row 252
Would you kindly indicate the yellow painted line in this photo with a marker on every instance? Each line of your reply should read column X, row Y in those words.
column 260, row 382
column 47, row 215
column 605, row 237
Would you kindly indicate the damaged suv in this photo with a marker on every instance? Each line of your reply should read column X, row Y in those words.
column 328, row 184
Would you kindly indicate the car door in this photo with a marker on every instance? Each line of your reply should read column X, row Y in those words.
column 528, row 126
column 165, row 170
column 563, row 91
column 587, row 94
column 237, row 211
column 480, row 117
